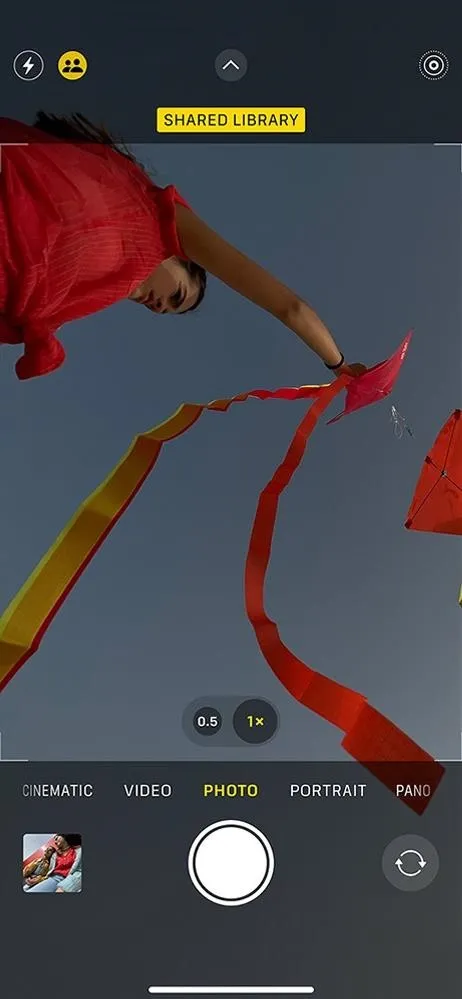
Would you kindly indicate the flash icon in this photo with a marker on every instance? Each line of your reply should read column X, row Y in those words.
column 28, row 65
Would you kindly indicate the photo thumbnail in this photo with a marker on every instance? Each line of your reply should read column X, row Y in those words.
column 52, row 862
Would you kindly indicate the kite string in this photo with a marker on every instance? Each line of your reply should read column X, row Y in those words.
column 400, row 424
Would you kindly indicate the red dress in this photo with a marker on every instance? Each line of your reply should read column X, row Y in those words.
column 80, row 228
column 64, row 862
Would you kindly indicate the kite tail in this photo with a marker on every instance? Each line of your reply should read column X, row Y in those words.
column 369, row 738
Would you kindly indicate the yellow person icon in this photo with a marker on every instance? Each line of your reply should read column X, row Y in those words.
column 72, row 65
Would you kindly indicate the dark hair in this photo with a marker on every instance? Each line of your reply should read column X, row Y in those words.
column 77, row 128
column 200, row 276
column 73, row 839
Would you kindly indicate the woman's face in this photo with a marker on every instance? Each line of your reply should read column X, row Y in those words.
column 168, row 289
column 60, row 844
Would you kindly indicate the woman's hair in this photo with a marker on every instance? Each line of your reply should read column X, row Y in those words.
column 198, row 274
column 73, row 839
column 77, row 128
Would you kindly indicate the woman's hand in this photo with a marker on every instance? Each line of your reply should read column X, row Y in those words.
column 350, row 369
column 32, row 881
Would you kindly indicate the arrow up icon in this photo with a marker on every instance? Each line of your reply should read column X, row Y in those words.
column 231, row 65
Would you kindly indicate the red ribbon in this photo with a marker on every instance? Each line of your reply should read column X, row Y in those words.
column 369, row 737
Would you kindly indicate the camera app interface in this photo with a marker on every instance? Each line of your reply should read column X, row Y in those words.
column 231, row 499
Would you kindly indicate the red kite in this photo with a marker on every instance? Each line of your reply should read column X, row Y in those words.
column 376, row 383
column 437, row 502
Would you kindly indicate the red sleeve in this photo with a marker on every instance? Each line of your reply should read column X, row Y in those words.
column 179, row 200
column 166, row 199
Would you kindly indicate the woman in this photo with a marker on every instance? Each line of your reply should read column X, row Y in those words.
column 66, row 860
column 83, row 226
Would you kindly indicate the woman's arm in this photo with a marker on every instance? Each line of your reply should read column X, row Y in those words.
column 30, row 869
column 30, row 872
column 205, row 247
